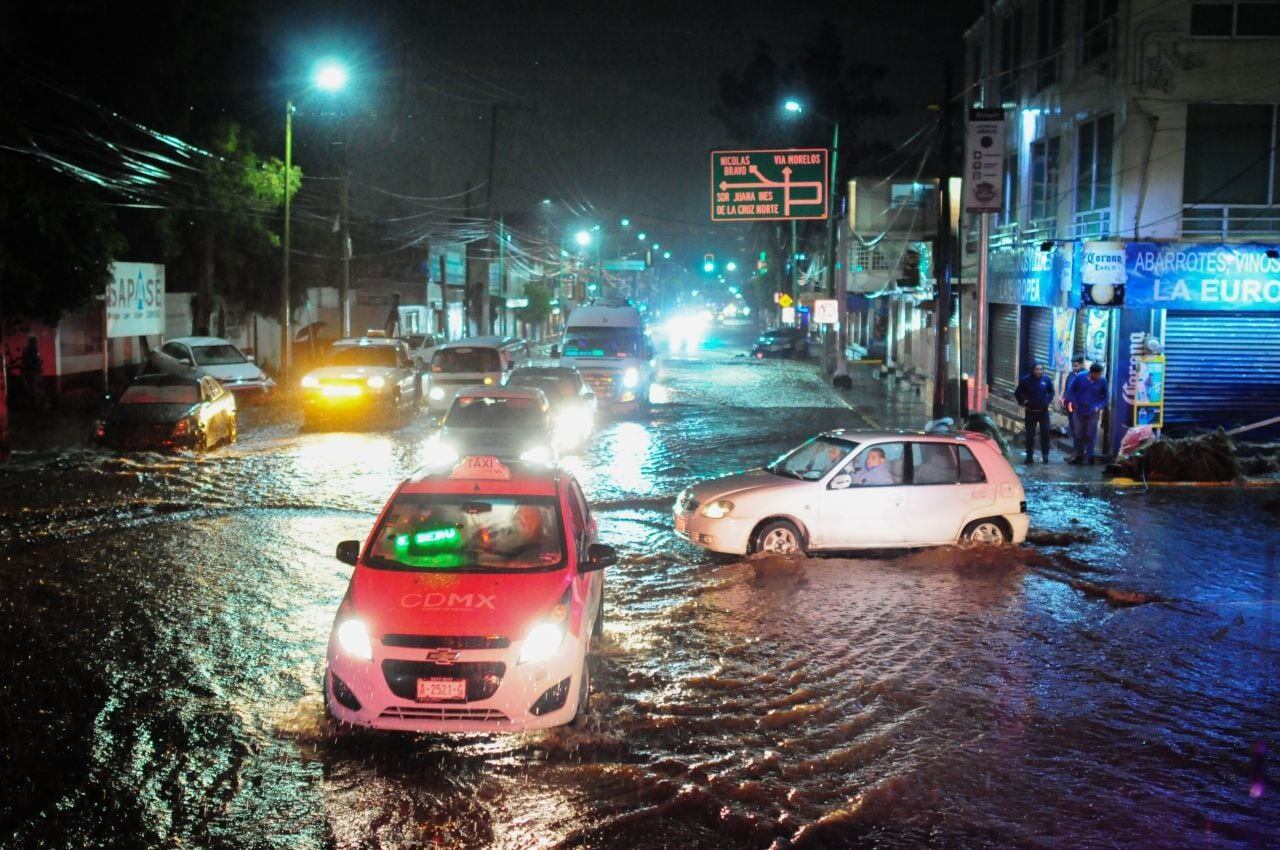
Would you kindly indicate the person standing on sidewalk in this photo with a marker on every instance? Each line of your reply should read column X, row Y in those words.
column 1077, row 373
column 1088, row 399
column 1035, row 394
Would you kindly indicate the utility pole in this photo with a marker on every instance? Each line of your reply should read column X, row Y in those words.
column 344, row 286
column 286, row 334
column 984, row 235
column 942, row 301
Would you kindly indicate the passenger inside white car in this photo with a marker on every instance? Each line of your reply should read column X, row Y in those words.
column 878, row 466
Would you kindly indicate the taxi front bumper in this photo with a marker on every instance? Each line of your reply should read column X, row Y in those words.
column 508, row 706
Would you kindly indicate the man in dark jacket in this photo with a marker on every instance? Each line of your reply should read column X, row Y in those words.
column 1035, row 394
column 1077, row 373
column 1089, row 397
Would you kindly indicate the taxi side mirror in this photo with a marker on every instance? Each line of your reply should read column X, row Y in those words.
column 599, row 556
column 348, row 552
column 840, row 482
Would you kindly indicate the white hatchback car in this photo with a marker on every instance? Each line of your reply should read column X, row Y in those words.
column 860, row 490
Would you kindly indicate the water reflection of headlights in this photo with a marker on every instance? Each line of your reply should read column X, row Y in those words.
column 353, row 637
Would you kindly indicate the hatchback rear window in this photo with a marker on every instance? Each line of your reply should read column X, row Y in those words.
column 466, row 360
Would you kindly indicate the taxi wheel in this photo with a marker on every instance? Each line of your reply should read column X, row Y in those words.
column 985, row 531
column 779, row 538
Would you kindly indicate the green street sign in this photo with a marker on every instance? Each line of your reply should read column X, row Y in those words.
column 770, row 185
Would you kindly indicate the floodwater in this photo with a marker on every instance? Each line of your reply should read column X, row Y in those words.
column 164, row 619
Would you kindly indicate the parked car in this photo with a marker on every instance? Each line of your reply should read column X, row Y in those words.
column 782, row 342
column 422, row 347
column 573, row 402
column 166, row 411
column 848, row 490
column 218, row 357
column 472, row 604
column 361, row 377
column 510, row 423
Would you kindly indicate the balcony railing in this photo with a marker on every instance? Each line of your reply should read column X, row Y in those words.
column 1040, row 229
column 1234, row 222
column 1093, row 224
column 1004, row 235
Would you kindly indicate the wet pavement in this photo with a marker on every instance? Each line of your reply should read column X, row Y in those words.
column 165, row 620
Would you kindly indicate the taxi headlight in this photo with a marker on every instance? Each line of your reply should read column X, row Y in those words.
column 537, row 454
column 436, row 394
column 353, row 637
column 376, row 382
column 630, row 378
column 717, row 509
column 543, row 642
column 310, row 382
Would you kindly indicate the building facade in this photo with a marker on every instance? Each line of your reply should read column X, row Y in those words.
column 1141, row 214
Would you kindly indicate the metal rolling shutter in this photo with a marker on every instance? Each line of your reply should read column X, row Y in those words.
column 1039, row 321
column 1222, row 369
column 1003, row 326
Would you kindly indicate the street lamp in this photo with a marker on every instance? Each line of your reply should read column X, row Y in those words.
column 841, row 374
column 331, row 76
column 640, row 237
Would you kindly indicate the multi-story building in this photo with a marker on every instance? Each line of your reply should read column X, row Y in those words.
column 1141, row 200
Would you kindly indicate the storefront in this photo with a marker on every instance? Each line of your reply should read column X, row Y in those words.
column 1027, row 299
column 1212, row 311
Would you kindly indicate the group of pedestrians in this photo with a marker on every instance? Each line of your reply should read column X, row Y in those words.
column 1084, row 397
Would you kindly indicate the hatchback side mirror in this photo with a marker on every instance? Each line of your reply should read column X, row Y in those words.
column 555, row 352
column 348, row 552
column 840, row 482
column 599, row 556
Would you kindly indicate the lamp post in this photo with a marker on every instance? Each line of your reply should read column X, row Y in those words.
column 330, row 75
column 840, row 377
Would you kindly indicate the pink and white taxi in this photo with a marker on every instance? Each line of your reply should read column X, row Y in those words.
column 472, row 605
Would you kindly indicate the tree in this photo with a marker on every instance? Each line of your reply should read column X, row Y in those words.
column 224, row 240
column 538, row 310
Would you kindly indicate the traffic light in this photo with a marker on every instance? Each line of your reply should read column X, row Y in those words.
column 708, row 263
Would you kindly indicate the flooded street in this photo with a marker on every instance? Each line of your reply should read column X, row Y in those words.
column 165, row 620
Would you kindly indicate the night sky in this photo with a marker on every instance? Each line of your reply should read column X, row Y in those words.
column 606, row 106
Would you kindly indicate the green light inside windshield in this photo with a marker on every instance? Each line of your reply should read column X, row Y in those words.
column 584, row 352
column 433, row 538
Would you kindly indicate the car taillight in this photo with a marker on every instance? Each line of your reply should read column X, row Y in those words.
column 183, row 427
column 100, row 430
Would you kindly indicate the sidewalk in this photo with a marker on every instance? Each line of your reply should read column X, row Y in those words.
column 891, row 403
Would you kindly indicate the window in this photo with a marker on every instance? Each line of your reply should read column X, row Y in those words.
column 970, row 469
column 934, row 463
column 1230, row 153
column 1241, row 20
column 1093, row 164
column 1098, row 28
column 880, row 465
column 1010, row 56
column 1044, row 178
column 916, row 195
column 1048, row 41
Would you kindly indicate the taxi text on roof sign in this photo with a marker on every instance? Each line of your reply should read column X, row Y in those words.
column 481, row 467
column 769, row 185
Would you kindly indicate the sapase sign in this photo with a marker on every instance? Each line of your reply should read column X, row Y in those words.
column 1193, row 276
column 135, row 300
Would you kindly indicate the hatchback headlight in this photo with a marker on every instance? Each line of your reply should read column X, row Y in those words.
column 376, row 382
column 631, row 378
column 436, row 394
column 717, row 509
column 353, row 637
column 545, row 639
column 310, row 382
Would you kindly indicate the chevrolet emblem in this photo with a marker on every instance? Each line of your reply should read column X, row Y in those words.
column 442, row 656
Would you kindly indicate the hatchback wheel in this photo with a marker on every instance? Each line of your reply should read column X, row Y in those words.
column 779, row 538
column 985, row 531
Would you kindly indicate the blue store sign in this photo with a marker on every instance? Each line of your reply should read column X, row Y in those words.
column 1191, row 276
column 1026, row 276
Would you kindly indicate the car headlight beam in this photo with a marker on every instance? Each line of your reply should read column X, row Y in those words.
column 310, row 382
column 631, row 378
column 353, row 637
column 543, row 642
column 436, row 394
column 717, row 509
column 537, row 454
column 376, row 382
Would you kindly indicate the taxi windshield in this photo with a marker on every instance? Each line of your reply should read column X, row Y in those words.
column 363, row 355
column 812, row 460
column 466, row 360
column 466, row 533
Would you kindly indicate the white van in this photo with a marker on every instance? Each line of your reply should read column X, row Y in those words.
column 607, row 343
column 475, row 361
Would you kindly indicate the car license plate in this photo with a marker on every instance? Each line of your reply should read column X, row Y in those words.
column 682, row 524
column 442, row 690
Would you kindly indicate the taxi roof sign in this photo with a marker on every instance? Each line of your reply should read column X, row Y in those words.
column 482, row 467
